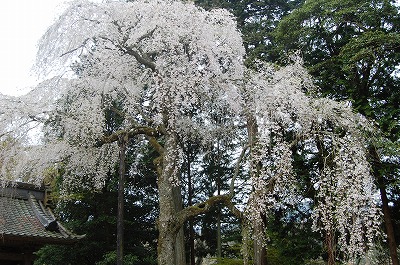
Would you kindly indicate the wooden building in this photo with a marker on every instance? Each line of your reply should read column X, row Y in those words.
column 26, row 224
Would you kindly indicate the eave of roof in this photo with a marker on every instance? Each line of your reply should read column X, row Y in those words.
column 26, row 219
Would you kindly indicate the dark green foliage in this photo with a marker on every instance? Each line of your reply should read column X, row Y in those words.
column 111, row 259
column 207, row 234
column 291, row 239
column 95, row 216
column 94, row 213
column 228, row 261
column 352, row 49
column 256, row 20
column 215, row 176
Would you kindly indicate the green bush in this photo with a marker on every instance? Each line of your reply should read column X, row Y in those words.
column 110, row 258
column 227, row 261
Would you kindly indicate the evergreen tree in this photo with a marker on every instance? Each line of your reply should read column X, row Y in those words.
column 256, row 21
column 94, row 214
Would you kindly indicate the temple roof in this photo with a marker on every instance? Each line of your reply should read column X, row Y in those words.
column 24, row 218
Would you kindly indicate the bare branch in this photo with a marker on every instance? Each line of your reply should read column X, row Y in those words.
column 146, row 35
column 77, row 48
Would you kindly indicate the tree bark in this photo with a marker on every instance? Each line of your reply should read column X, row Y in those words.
column 389, row 226
column 167, row 233
column 330, row 247
column 122, row 142
column 191, row 242
column 171, row 245
column 219, row 241
column 377, row 165
column 260, row 251
column 180, row 257
column 190, row 203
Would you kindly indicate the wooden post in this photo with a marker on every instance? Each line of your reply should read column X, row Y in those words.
column 122, row 142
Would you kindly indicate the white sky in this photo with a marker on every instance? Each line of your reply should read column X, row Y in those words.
column 22, row 23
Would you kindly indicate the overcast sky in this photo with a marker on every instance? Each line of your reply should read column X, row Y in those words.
column 22, row 23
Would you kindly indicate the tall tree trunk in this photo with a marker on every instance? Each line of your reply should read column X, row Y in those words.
column 123, row 140
column 388, row 225
column 377, row 166
column 171, row 243
column 180, row 257
column 246, row 242
column 191, row 243
column 219, row 239
column 190, row 203
column 167, row 233
column 260, row 252
column 166, row 246
column 330, row 247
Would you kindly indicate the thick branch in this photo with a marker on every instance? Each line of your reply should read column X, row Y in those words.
column 107, row 139
column 156, row 145
column 204, row 207
column 143, row 59
column 236, row 173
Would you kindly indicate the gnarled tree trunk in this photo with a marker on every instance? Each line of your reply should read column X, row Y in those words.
column 171, row 245
column 260, row 251
column 167, row 232
column 171, row 248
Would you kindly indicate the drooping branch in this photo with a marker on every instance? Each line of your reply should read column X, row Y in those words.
column 142, row 58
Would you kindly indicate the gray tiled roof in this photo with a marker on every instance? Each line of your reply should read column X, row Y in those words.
column 27, row 219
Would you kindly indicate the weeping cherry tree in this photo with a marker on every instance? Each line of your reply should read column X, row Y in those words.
column 281, row 113
column 157, row 60
column 150, row 63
